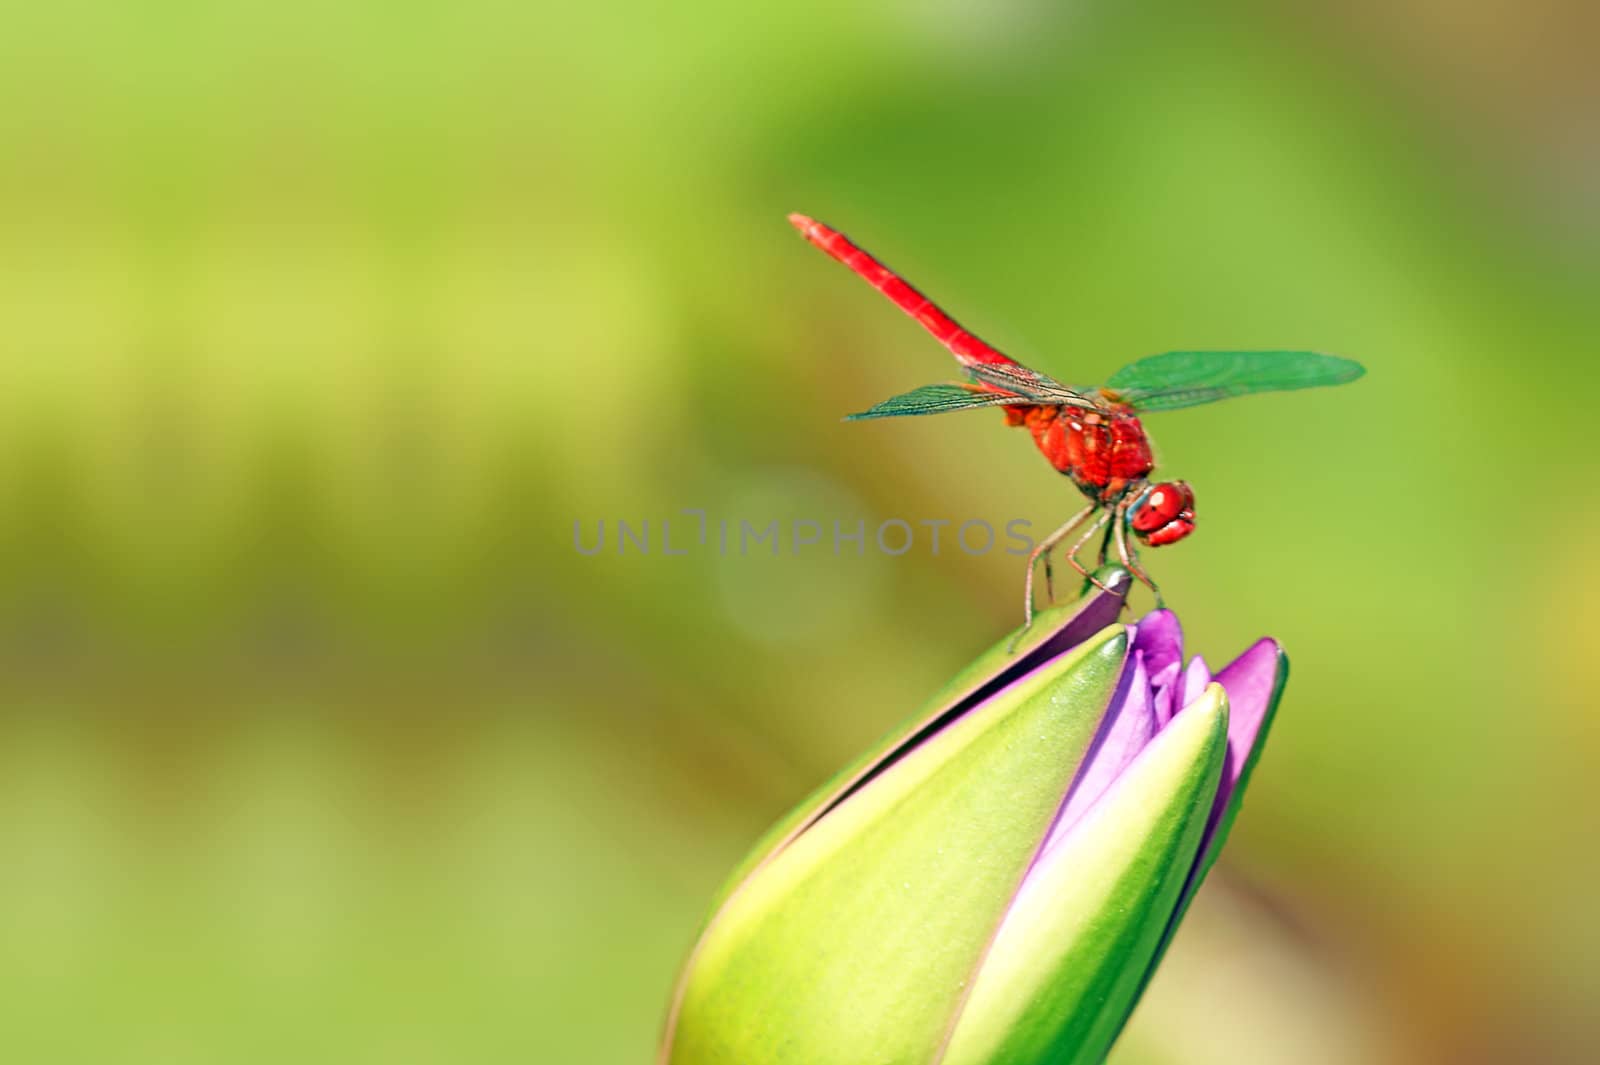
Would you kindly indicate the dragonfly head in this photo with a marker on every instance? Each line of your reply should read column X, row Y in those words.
column 1164, row 514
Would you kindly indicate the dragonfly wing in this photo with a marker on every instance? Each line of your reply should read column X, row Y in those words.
column 940, row 399
column 1189, row 378
column 1030, row 383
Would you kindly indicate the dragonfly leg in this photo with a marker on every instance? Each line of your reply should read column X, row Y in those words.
column 1130, row 557
column 1044, row 548
column 1072, row 555
column 1072, row 559
column 1055, row 538
column 1105, row 544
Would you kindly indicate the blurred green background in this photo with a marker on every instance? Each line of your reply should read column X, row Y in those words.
column 321, row 326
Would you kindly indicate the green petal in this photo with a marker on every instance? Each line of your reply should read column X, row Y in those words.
column 1068, row 963
column 854, row 942
column 1002, row 658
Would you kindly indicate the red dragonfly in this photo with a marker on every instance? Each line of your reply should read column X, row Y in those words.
column 1091, row 434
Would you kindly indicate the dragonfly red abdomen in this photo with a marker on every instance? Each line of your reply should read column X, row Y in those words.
column 966, row 347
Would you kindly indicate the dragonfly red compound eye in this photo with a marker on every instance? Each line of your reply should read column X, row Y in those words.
column 1163, row 504
column 1164, row 515
column 1170, row 533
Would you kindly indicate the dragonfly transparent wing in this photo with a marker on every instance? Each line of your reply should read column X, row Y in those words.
column 940, row 399
column 1015, row 377
column 1190, row 378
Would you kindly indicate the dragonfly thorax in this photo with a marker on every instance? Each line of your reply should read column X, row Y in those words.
column 1105, row 452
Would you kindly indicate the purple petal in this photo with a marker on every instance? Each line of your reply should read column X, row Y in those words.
column 1195, row 679
column 1160, row 639
column 1252, row 682
column 1129, row 725
column 1094, row 612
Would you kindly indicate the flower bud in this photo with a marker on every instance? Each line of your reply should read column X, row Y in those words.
column 996, row 881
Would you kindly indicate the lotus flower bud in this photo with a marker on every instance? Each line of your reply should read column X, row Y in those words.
column 996, row 882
